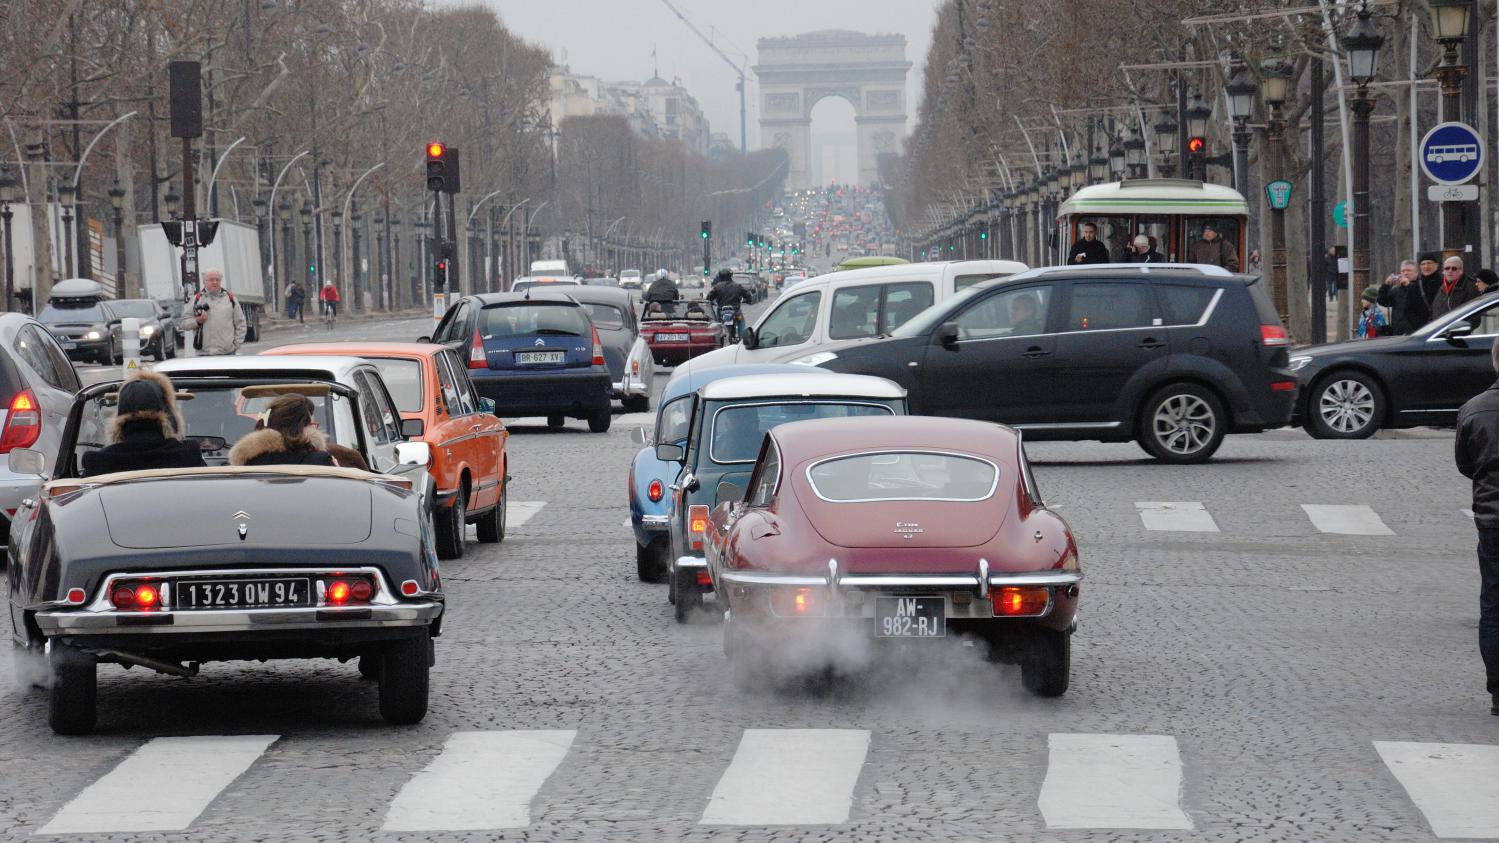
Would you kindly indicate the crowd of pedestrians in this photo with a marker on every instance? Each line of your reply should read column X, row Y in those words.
column 1420, row 292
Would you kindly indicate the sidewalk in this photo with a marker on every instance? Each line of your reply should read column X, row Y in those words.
column 272, row 323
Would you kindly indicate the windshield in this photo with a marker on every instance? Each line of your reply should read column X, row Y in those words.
column 404, row 380
column 534, row 317
column 67, row 312
column 658, row 311
column 228, row 412
column 137, row 308
column 923, row 322
column 739, row 429
column 903, row 476
column 605, row 317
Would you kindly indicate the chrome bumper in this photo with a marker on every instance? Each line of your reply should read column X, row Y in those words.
column 654, row 522
column 852, row 596
column 83, row 622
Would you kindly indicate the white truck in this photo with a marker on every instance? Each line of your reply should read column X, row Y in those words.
column 235, row 250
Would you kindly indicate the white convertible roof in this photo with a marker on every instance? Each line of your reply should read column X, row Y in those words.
column 337, row 367
column 808, row 385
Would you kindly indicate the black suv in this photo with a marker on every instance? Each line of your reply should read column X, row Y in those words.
column 1173, row 356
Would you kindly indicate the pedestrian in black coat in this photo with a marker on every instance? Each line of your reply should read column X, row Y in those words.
column 1402, row 295
column 1457, row 289
column 1089, row 249
column 1477, row 452
column 146, row 431
column 1431, row 275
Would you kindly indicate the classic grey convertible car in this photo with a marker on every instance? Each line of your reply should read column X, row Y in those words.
column 169, row 568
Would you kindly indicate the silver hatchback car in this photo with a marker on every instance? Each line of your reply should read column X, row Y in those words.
column 37, row 385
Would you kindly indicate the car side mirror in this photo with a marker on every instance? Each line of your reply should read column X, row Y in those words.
column 27, row 461
column 947, row 334
column 747, row 336
column 412, row 428
column 641, row 436
column 1457, row 331
column 665, row 452
column 487, row 405
column 423, row 339
column 413, row 453
column 729, row 492
column 210, row 444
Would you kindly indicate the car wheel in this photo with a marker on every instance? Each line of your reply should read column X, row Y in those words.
column 1345, row 405
column 650, row 562
column 492, row 526
column 170, row 348
column 554, row 421
column 1046, row 668
column 450, row 528
column 598, row 420
column 637, row 404
column 73, row 701
column 369, row 666
column 1182, row 423
column 405, row 667
column 689, row 599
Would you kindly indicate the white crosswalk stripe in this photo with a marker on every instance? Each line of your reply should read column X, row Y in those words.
column 790, row 777
column 481, row 780
column 1346, row 519
column 1455, row 785
column 1113, row 781
column 1176, row 516
column 517, row 513
column 163, row 786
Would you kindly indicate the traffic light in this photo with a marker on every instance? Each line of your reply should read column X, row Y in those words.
column 707, row 229
column 983, row 235
column 749, row 240
column 1197, row 145
column 437, row 166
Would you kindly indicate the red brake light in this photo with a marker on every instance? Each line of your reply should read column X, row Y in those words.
column 1274, row 335
column 655, row 491
column 598, row 349
column 477, row 359
column 135, row 596
column 23, row 424
column 1283, row 386
column 343, row 590
column 797, row 603
column 1013, row 601
column 338, row 592
column 76, row 596
column 411, row 588
column 362, row 590
column 704, row 578
column 697, row 524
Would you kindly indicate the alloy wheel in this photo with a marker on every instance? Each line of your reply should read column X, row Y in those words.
column 1184, row 423
column 1346, row 406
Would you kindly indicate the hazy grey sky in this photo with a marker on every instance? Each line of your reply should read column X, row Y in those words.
column 614, row 38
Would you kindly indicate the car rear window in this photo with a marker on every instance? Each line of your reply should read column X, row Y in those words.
column 63, row 312
column 524, row 318
column 908, row 476
column 1183, row 304
column 739, row 430
column 404, row 380
column 606, row 317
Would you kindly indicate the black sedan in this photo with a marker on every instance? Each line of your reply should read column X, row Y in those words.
column 1351, row 389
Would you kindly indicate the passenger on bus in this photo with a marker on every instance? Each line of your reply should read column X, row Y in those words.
column 1089, row 249
column 1214, row 250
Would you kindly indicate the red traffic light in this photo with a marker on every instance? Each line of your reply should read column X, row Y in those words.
column 1196, row 145
column 435, row 150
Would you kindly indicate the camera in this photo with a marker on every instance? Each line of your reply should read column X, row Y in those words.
column 200, row 307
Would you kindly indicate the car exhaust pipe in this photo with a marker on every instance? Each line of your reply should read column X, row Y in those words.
column 131, row 659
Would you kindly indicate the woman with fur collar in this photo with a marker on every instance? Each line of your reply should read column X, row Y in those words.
column 146, row 431
column 289, row 437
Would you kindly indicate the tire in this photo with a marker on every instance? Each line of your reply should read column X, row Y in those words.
column 492, row 526
column 689, row 599
column 555, row 421
column 1046, row 668
column 450, row 528
column 650, row 565
column 172, row 346
column 73, row 700
column 1344, row 405
column 405, row 668
column 369, row 666
column 1182, row 423
column 636, row 404
column 598, row 420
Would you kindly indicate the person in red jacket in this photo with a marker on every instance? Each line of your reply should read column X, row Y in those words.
column 329, row 298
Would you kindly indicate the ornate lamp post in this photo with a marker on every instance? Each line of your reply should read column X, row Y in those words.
column 1098, row 166
column 379, row 299
column 1274, row 84
column 174, row 202
column 288, row 250
column 1241, row 91
column 1362, row 42
column 66, row 197
column 1134, row 154
column 395, row 267
column 8, row 195
column 357, row 279
column 262, row 215
column 117, row 204
column 1450, row 22
column 1198, row 115
column 1165, row 130
column 312, row 283
column 337, row 218
column 1116, row 159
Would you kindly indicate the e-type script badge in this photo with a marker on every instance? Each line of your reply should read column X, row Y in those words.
column 907, row 529
column 244, row 527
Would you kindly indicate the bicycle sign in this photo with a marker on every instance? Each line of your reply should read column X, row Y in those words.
column 1451, row 153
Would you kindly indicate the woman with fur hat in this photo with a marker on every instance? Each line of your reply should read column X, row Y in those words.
column 146, row 431
column 290, row 437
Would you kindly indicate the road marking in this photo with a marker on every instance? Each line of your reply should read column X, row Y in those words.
column 517, row 513
column 1113, row 781
column 163, row 786
column 635, row 419
column 1176, row 516
column 789, row 777
column 1346, row 520
column 1455, row 785
column 480, row 780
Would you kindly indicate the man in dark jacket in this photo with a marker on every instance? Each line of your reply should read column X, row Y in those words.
column 1089, row 249
column 1214, row 250
column 1477, row 452
column 725, row 292
column 1457, row 288
column 663, row 289
column 1402, row 295
column 146, row 431
column 1431, row 275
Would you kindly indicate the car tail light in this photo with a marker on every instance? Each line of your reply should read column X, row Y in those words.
column 23, row 424
column 704, row 579
column 655, row 491
column 1274, row 335
column 635, row 366
column 76, row 596
column 598, row 349
column 697, row 525
column 135, row 596
column 1283, row 386
column 477, row 359
column 411, row 588
column 798, row 603
column 341, row 590
column 1019, row 601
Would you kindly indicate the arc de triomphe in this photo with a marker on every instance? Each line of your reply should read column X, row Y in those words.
column 869, row 71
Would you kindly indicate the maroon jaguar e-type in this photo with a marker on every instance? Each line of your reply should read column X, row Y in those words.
column 893, row 527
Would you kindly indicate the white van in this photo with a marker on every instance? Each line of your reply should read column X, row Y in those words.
column 852, row 304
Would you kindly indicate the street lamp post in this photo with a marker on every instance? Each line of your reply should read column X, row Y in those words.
column 1275, row 81
column 117, row 205
column 1362, row 43
column 8, row 195
column 1241, row 91
column 1117, row 158
column 356, row 259
column 306, row 216
column 1134, row 154
column 380, row 268
column 337, row 217
column 67, row 197
column 262, row 208
column 394, row 266
column 1165, row 130
column 1198, row 116
column 283, row 213
column 1450, row 21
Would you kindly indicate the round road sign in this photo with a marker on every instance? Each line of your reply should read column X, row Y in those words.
column 1451, row 153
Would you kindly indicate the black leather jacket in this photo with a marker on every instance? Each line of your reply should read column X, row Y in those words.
column 1477, row 452
column 727, row 294
column 662, row 290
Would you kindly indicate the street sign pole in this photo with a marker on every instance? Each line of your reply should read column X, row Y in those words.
column 1452, row 154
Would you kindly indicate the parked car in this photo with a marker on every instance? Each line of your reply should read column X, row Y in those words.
column 632, row 367
column 1351, row 389
column 170, row 568
column 855, row 530
column 854, row 304
column 681, row 330
column 729, row 419
column 533, row 354
column 80, row 319
column 1172, row 356
column 157, row 331
column 439, row 405
column 37, row 385
column 650, row 476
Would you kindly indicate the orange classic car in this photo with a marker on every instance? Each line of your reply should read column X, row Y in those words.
column 439, row 406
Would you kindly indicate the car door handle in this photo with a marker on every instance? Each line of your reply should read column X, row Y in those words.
column 479, row 426
column 1035, row 351
column 1150, row 343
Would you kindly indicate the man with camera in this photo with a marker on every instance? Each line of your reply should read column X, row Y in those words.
column 216, row 317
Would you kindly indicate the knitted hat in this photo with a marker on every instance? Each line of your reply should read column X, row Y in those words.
column 1371, row 294
column 141, row 395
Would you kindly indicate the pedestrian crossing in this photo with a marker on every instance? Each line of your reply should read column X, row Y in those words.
column 506, row 779
column 1330, row 519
